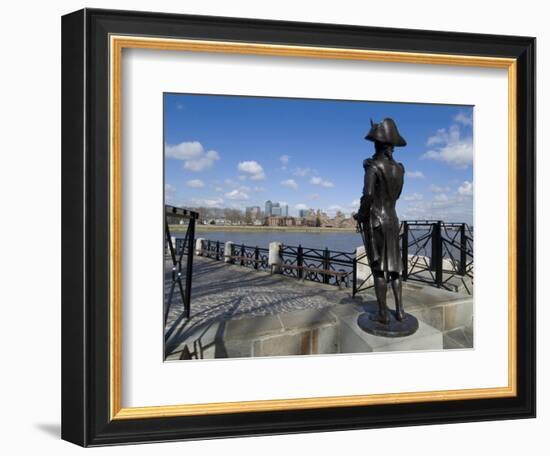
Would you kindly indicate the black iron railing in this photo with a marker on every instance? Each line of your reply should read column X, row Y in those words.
column 182, row 272
column 433, row 252
column 365, row 281
column 250, row 257
column 213, row 249
column 317, row 265
column 438, row 253
column 245, row 255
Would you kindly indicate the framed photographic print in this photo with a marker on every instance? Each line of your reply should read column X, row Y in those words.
column 278, row 227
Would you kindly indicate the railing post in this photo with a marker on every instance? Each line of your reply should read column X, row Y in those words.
column 242, row 254
column 300, row 261
column 275, row 257
column 437, row 254
column 326, row 265
column 256, row 257
column 354, row 279
column 199, row 246
column 189, row 271
column 463, row 248
column 433, row 241
column 217, row 250
column 228, row 252
column 405, row 250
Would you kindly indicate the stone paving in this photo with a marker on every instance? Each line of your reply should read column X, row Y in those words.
column 222, row 291
column 227, row 298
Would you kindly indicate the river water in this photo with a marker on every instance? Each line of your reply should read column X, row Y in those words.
column 340, row 241
column 335, row 241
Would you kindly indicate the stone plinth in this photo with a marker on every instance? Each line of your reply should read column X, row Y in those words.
column 307, row 332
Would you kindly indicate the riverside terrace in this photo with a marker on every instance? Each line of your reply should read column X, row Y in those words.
column 290, row 300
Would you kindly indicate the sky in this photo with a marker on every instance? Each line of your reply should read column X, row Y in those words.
column 234, row 151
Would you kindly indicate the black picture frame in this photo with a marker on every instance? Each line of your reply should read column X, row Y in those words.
column 85, row 228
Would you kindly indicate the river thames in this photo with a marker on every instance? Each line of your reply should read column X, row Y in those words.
column 346, row 241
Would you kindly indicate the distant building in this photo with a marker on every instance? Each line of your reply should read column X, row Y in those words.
column 276, row 209
column 302, row 213
column 215, row 221
column 253, row 212
column 268, row 208
column 280, row 221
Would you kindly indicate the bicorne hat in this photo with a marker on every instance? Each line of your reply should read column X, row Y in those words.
column 385, row 132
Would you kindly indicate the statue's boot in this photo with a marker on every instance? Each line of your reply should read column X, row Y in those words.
column 381, row 288
column 396, row 287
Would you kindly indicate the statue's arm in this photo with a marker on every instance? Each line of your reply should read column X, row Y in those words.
column 368, row 190
column 401, row 189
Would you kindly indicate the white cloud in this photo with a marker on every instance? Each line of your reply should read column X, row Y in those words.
column 413, row 197
column 252, row 169
column 313, row 196
column 237, row 195
column 322, row 182
column 185, row 150
column 301, row 206
column 231, row 183
column 450, row 147
column 195, row 183
column 284, row 160
column 207, row 202
column 259, row 189
column 464, row 119
column 438, row 189
column 202, row 163
column 290, row 183
column 169, row 188
column 415, row 174
column 193, row 155
column 301, row 172
column 466, row 189
column 449, row 208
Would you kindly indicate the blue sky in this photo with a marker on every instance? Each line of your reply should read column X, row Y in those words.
column 232, row 151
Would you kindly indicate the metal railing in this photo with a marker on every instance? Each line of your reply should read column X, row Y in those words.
column 317, row 265
column 214, row 250
column 250, row 257
column 438, row 253
column 182, row 272
column 433, row 252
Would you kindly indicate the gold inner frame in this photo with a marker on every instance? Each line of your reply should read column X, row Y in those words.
column 117, row 44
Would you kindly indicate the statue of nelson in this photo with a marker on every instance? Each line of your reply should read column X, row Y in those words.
column 377, row 216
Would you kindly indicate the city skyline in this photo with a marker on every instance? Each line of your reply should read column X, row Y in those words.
column 238, row 152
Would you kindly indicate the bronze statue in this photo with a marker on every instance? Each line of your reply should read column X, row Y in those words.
column 378, row 221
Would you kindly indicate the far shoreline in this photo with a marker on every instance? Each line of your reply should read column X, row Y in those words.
column 247, row 228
